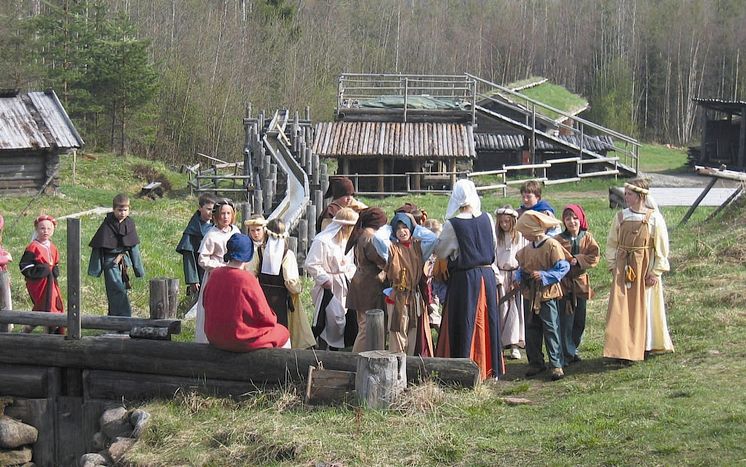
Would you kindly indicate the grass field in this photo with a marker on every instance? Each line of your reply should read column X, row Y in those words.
column 683, row 408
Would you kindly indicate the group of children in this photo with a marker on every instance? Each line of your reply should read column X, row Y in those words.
column 512, row 282
column 114, row 251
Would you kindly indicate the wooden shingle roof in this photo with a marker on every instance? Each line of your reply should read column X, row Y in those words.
column 426, row 140
column 36, row 120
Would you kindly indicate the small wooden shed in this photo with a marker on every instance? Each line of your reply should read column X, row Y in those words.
column 723, row 133
column 400, row 133
column 34, row 131
column 396, row 157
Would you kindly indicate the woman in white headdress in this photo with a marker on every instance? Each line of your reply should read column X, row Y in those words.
column 332, row 270
column 470, row 323
column 637, row 253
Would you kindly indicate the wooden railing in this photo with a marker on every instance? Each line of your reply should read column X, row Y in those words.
column 626, row 147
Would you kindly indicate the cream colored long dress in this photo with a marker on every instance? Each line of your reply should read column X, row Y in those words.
column 636, row 319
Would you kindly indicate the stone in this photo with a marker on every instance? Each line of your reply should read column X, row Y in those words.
column 99, row 441
column 15, row 456
column 140, row 420
column 14, row 433
column 92, row 459
column 115, row 422
column 119, row 447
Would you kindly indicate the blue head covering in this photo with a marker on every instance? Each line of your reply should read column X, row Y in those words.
column 240, row 248
column 404, row 219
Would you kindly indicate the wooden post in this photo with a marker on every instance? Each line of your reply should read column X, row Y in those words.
column 173, row 297
column 698, row 200
column 158, row 298
column 742, row 139
column 380, row 379
column 381, row 171
column 245, row 214
column 302, row 235
column 374, row 330
column 259, row 201
column 323, row 178
column 315, row 167
column 293, row 245
column 311, row 213
column 318, row 200
column 73, row 279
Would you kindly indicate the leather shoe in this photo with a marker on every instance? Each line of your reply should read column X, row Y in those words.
column 535, row 370
column 557, row 374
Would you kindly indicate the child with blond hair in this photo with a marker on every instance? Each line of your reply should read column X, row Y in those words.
column 40, row 266
column 509, row 242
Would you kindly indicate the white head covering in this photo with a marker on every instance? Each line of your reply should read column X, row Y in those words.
column 274, row 252
column 331, row 230
column 464, row 194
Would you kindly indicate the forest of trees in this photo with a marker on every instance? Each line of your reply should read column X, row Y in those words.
column 170, row 78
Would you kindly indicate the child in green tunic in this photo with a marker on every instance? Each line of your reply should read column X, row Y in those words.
column 195, row 230
column 116, row 249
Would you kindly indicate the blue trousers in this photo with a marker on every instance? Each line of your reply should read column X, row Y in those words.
column 572, row 326
column 543, row 326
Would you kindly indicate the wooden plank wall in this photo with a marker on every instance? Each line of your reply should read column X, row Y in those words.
column 24, row 172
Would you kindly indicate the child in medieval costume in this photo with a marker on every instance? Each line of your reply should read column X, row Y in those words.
column 255, row 227
column 532, row 201
column 437, row 287
column 542, row 265
column 470, row 326
column 115, row 249
column 237, row 316
column 6, row 302
column 191, row 239
column 211, row 255
column 366, row 287
column 637, row 253
column 509, row 242
column 331, row 270
column 576, row 285
column 342, row 192
column 404, row 246
column 280, row 281
column 40, row 266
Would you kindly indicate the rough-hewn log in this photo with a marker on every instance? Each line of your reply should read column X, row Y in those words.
column 375, row 335
column 33, row 382
column 380, row 379
column 115, row 385
column 108, row 323
column 158, row 298
column 201, row 360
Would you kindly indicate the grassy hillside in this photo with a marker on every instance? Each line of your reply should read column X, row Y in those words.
column 684, row 408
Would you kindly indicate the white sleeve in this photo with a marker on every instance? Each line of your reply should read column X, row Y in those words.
column 447, row 245
column 315, row 263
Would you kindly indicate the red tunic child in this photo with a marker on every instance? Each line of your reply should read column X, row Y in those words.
column 237, row 316
column 39, row 265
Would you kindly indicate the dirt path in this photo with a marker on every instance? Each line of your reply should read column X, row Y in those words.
column 685, row 180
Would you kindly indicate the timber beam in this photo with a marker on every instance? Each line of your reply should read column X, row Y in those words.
column 191, row 360
column 108, row 323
